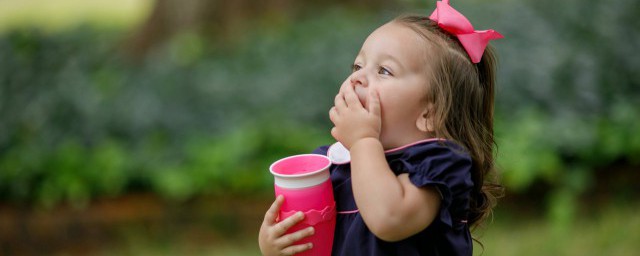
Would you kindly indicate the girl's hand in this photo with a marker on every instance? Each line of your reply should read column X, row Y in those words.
column 272, row 238
column 352, row 120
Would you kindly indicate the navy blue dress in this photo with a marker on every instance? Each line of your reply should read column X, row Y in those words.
column 430, row 163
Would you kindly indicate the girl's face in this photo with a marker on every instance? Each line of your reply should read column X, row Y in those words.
column 392, row 62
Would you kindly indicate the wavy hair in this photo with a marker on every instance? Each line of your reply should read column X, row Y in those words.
column 462, row 94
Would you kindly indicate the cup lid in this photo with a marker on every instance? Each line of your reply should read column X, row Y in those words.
column 338, row 154
column 300, row 171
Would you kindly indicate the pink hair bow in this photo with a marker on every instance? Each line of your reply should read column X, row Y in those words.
column 473, row 41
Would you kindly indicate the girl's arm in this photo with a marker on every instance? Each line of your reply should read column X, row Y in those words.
column 392, row 207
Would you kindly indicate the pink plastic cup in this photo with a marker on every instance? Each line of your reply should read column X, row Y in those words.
column 304, row 182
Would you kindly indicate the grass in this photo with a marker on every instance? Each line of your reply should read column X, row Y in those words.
column 59, row 15
column 612, row 230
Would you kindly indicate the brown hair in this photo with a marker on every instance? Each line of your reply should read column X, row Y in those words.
column 462, row 94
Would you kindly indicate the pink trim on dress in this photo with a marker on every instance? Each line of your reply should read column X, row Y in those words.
column 348, row 212
column 413, row 144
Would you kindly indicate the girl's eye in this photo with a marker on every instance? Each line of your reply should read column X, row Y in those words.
column 384, row 71
column 355, row 67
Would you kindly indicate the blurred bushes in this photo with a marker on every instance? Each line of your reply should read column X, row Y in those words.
column 568, row 96
column 81, row 121
column 568, row 90
column 196, row 117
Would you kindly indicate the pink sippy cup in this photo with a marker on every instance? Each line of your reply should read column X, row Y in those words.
column 304, row 182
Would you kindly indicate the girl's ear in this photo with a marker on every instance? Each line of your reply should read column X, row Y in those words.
column 425, row 122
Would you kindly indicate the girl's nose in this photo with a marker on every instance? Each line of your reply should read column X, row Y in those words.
column 359, row 78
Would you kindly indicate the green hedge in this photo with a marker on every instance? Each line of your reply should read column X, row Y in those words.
column 79, row 121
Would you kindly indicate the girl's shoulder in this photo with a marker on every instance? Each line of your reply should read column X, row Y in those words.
column 446, row 166
column 433, row 152
column 441, row 162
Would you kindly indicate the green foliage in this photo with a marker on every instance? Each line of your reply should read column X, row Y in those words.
column 236, row 163
column 523, row 151
column 568, row 91
column 69, row 171
column 78, row 120
column 233, row 163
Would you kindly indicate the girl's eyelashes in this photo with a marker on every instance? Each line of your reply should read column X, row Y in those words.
column 384, row 71
column 355, row 67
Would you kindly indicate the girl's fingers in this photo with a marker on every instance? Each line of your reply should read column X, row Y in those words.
column 289, row 239
column 334, row 133
column 351, row 97
column 333, row 114
column 343, row 86
column 291, row 250
column 339, row 101
column 374, row 103
column 272, row 214
column 287, row 223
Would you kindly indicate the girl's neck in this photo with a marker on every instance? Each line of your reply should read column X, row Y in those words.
column 405, row 140
column 393, row 150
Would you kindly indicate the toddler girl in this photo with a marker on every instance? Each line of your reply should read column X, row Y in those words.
column 416, row 115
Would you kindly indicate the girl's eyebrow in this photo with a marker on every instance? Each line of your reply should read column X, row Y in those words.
column 384, row 56
column 360, row 54
column 393, row 59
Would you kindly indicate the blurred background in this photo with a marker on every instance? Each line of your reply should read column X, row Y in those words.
column 146, row 127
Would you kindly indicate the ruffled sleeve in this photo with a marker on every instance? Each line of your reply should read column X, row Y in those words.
column 445, row 166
